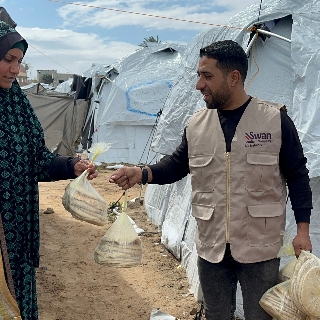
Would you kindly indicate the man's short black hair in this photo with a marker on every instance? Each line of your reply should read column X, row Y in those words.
column 230, row 56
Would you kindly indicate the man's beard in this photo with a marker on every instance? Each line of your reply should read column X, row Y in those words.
column 220, row 99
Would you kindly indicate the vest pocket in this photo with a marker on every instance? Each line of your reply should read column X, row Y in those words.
column 206, row 230
column 261, row 171
column 264, row 224
column 202, row 177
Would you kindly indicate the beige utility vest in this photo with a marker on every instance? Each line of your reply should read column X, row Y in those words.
column 237, row 197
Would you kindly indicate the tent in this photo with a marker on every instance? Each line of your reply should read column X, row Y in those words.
column 282, row 67
column 127, row 99
column 60, row 115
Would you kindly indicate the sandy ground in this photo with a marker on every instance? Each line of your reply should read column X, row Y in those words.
column 72, row 286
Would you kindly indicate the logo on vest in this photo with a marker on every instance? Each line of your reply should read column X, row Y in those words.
column 257, row 139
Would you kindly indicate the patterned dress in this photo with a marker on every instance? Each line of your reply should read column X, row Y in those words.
column 24, row 160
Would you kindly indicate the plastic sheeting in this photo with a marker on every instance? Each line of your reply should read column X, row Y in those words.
column 286, row 73
column 278, row 71
column 159, row 315
column 127, row 99
column 61, row 118
column 65, row 87
column 156, row 200
column 173, row 227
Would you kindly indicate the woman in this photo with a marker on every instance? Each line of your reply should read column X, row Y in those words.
column 24, row 161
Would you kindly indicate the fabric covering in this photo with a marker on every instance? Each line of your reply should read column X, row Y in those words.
column 4, row 16
column 19, row 45
column 9, row 36
column 61, row 118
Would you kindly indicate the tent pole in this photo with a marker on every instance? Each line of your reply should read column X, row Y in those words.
column 273, row 34
column 251, row 43
column 92, row 122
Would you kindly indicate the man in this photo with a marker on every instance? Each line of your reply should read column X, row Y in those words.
column 241, row 153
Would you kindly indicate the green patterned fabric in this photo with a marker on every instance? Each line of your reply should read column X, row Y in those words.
column 5, row 29
column 24, row 160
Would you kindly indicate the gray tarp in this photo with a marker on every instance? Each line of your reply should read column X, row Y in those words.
column 61, row 118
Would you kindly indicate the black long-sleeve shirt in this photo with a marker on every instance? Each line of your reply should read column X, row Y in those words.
column 62, row 168
column 291, row 161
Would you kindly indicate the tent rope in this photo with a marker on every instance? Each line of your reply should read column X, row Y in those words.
column 253, row 29
column 138, row 13
column 259, row 11
column 50, row 58
column 256, row 63
column 147, row 15
column 151, row 135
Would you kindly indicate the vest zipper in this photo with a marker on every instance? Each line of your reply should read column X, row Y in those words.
column 228, row 197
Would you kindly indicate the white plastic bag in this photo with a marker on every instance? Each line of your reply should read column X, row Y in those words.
column 305, row 284
column 287, row 270
column 121, row 245
column 82, row 200
column 287, row 250
column 278, row 303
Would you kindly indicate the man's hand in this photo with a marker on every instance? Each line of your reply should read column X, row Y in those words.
column 302, row 239
column 126, row 177
column 83, row 165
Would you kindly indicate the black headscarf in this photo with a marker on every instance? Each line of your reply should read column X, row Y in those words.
column 8, row 37
column 5, row 16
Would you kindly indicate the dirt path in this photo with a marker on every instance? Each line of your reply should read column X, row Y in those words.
column 72, row 286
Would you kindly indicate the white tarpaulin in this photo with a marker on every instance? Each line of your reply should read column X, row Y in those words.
column 159, row 315
column 125, row 105
column 280, row 71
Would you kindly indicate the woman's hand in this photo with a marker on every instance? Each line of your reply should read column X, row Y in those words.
column 83, row 165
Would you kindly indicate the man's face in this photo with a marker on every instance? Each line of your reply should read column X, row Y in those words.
column 213, row 84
